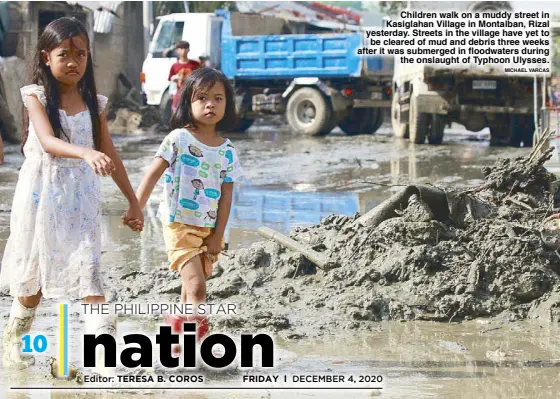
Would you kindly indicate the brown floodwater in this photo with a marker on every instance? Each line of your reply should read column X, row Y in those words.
column 291, row 182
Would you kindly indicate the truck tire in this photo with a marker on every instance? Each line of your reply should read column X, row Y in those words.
column 333, row 121
column 165, row 108
column 379, row 121
column 513, row 130
column 400, row 129
column 435, row 134
column 527, row 125
column 359, row 121
column 499, row 131
column 419, row 122
column 308, row 112
column 375, row 120
column 243, row 124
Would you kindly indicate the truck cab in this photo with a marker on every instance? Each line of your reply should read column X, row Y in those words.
column 314, row 75
column 201, row 30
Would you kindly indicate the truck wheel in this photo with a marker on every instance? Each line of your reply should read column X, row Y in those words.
column 165, row 108
column 400, row 129
column 500, row 136
column 499, row 131
column 308, row 112
column 379, row 121
column 527, row 124
column 419, row 122
column 360, row 121
column 521, row 129
column 435, row 135
column 333, row 121
column 243, row 124
column 515, row 131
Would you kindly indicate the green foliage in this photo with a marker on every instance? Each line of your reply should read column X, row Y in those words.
column 392, row 7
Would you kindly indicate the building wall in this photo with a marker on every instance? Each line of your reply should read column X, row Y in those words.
column 120, row 51
column 27, row 25
column 24, row 30
column 14, row 75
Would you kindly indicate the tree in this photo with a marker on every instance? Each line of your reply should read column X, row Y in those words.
column 392, row 7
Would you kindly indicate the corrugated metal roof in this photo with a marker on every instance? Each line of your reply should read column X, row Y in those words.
column 104, row 14
column 301, row 12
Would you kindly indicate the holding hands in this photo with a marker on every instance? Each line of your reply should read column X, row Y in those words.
column 134, row 218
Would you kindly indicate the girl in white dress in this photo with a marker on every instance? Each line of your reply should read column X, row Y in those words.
column 54, row 245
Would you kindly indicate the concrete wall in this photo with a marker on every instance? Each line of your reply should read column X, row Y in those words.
column 120, row 51
column 14, row 75
column 24, row 30
column 27, row 25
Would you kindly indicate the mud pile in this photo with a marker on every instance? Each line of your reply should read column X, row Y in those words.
column 485, row 258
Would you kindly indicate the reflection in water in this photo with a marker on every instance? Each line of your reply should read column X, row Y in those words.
column 254, row 207
column 470, row 360
column 416, row 360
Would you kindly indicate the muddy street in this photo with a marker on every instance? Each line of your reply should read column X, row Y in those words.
column 296, row 182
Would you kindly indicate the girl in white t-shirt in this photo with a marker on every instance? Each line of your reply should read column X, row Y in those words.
column 199, row 168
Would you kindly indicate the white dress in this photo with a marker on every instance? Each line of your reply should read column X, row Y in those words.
column 55, row 241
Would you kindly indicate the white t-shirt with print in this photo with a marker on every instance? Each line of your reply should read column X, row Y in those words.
column 193, row 180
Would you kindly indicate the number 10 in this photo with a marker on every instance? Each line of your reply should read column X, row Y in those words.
column 39, row 343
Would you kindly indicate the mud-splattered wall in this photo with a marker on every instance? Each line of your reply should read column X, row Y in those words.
column 120, row 51
column 14, row 75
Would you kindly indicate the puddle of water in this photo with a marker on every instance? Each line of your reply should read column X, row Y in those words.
column 292, row 181
column 420, row 360
column 297, row 181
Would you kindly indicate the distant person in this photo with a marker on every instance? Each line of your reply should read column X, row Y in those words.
column 200, row 168
column 205, row 61
column 181, row 70
column 556, row 96
column 54, row 247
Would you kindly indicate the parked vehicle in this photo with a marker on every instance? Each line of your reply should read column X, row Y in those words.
column 315, row 77
column 426, row 98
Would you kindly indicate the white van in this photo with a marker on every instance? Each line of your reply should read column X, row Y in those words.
column 201, row 30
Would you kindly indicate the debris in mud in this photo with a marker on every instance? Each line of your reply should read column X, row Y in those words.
column 481, row 256
column 125, row 121
column 73, row 373
column 125, row 117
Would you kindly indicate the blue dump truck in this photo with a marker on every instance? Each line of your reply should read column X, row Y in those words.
column 314, row 76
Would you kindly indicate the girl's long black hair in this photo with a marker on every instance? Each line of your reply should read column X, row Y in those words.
column 54, row 34
column 203, row 79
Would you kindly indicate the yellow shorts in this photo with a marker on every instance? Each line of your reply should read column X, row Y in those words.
column 183, row 242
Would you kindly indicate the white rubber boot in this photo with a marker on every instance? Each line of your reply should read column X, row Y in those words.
column 101, row 324
column 19, row 324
